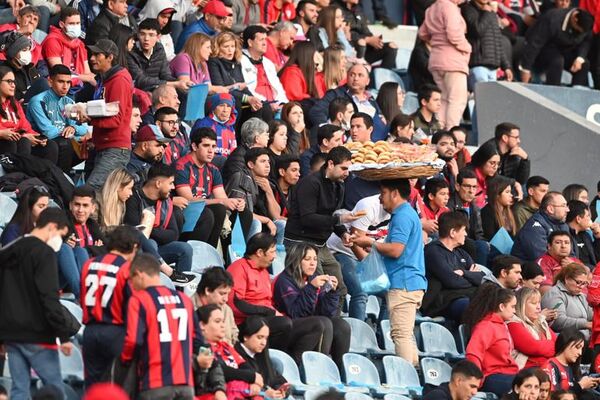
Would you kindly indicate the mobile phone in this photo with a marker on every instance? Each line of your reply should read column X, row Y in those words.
column 327, row 286
column 205, row 351
column 140, row 227
column 594, row 375
column 556, row 305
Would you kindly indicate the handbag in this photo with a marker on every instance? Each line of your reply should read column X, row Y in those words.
column 372, row 273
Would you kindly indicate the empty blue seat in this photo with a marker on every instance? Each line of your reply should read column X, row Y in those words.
column 382, row 75
column 435, row 371
column 363, row 339
column 204, row 256
column 237, row 248
column 395, row 397
column 320, row 370
column 166, row 281
column 373, row 307
column 360, row 372
column 313, row 394
column 356, row 396
column 286, row 366
column 71, row 367
column 402, row 376
column 464, row 337
column 438, row 342
column 403, row 58
column 7, row 209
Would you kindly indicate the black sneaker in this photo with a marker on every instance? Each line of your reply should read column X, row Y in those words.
column 388, row 23
column 181, row 278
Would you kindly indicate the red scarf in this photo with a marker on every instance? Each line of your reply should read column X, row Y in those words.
column 74, row 55
column 158, row 216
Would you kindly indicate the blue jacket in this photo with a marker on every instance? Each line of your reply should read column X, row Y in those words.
column 318, row 113
column 198, row 26
column 532, row 240
column 46, row 112
column 294, row 302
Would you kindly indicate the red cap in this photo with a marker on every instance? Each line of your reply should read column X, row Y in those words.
column 216, row 7
column 148, row 133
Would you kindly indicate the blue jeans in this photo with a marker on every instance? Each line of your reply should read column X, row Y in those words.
column 179, row 253
column 476, row 75
column 358, row 299
column 107, row 161
column 257, row 227
column 22, row 357
column 70, row 263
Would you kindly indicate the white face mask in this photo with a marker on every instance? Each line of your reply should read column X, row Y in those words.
column 73, row 31
column 24, row 57
column 55, row 242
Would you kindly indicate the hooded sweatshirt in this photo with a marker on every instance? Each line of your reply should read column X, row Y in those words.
column 151, row 10
column 226, row 141
column 72, row 52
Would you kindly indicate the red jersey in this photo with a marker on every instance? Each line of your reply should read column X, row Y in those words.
column 561, row 377
column 161, row 330
column 104, row 289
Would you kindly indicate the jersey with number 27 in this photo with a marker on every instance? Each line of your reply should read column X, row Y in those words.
column 105, row 290
column 161, row 330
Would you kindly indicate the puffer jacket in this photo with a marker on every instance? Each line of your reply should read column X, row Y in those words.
column 483, row 33
column 148, row 74
column 532, row 240
column 102, row 25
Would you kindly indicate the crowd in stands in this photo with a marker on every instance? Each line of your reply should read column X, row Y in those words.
column 507, row 256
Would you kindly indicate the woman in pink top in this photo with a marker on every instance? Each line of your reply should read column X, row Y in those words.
column 444, row 29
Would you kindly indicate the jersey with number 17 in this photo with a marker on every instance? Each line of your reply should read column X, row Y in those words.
column 105, row 290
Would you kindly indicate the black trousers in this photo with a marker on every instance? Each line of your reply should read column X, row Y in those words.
column 67, row 158
column 23, row 146
column 594, row 56
column 386, row 54
column 102, row 343
column 552, row 61
column 280, row 329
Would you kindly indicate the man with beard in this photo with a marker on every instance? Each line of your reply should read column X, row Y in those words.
column 514, row 161
column 445, row 146
column 169, row 124
column 149, row 149
column 307, row 12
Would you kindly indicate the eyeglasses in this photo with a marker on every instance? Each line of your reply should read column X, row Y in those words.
column 10, row 81
column 175, row 122
column 580, row 283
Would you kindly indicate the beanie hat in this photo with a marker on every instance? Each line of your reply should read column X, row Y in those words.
column 220, row 98
column 12, row 43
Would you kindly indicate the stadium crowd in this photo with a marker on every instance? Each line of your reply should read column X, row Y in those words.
column 507, row 256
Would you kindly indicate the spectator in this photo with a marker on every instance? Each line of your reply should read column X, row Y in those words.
column 444, row 29
column 64, row 46
column 46, row 112
column 163, row 96
column 31, row 204
column 587, row 248
column 452, row 276
column 115, row 192
column 506, row 272
column 288, row 174
column 29, row 329
column 85, row 239
column 525, row 385
column 430, row 103
column 261, row 76
column 497, row 213
column 575, row 191
column 210, row 24
column 254, row 133
column 556, row 257
column 436, row 197
column 252, row 346
column 390, row 99
column 376, row 48
column 530, row 242
column 402, row 254
column 544, row 384
column 559, row 40
column 465, row 381
column 221, row 118
column 245, row 13
column 418, row 64
column 567, row 298
column 595, row 205
column 105, row 305
column 311, row 300
column 490, row 345
column 147, row 324
column 402, row 127
column 298, row 75
column 170, row 126
column 356, row 91
column 214, row 288
column 329, row 32
column 113, row 12
column 151, row 205
column 484, row 163
column 298, row 139
column 148, row 151
column 307, row 14
column 28, row 18
column 334, row 69
column 463, row 199
column 112, row 135
column 532, row 275
column 514, row 161
column 445, row 147
column 280, row 39
column 252, row 293
column 277, row 143
column 328, row 137
column 361, row 127
column 591, row 6
column 537, row 187
column 462, row 155
column 163, row 11
column 532, row 337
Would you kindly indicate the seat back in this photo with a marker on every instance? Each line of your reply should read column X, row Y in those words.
column 386, row 331
column 437, row 339
column 166, row 281
column 411, row 103
column 403, row 58
column 362, row 337
column 395, row 397
column 357, row 396
column 237, row 248
column 71, row 367
column 360, row 371
column 285, row 365
column 435, row 372
column 400, row 373
column 7, row 209
column 464, row 337
column 74, row 309
column 313, row 394
column 320, row 369
column 373, row 307
column 382, row 75
column 204, row 256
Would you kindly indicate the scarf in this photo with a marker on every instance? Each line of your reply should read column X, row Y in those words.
column 77, row 56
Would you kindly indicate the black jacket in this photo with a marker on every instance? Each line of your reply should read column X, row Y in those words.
column 475, row 227
column 357, row 20
column 234, row 163
column 225, row 73
column 148, row 74
column 586, row 248
column 441, row 392
column 31, row 311
column 514, row 167
column 102, row 25
column 208, row 381
column 548, row 31
column 261, row 363
column 311, row 207
column 24, row 78
column 417, row 66
column 483, row 33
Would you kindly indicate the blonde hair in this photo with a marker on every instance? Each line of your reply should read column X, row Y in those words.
column 112, row 210
column 192, row 48
column 331, row 67
column 225, row 37
column 523, row 296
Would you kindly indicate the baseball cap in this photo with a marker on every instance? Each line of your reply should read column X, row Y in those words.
column 148, row 133
column 216, row 7
column 104, row 46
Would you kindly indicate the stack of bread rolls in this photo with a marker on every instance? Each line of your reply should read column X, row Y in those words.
column 383, row 152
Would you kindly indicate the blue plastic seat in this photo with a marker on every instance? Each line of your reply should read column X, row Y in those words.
column 438, row 342
column 402, row 376
column 286, row 366
column 363, row 339
column 464, row 337
column 71, row 367
column 77, row 312
column 313, row 394
column 320, row 370
column 387, row 335
column 485, row 270
column 411, row 103
column 435, row 371
column 373, row 307
column 403, row 58
column 360, row 372
column 7, row 209
column 420, row 318
column 395, row 397
column 237, row 248
column 357, row 396
column 166, row 281
column 382, row 75
column 204, row 256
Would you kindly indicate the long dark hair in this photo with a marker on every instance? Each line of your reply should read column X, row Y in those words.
column 484, row 153
column 503, row 215
column 486, row 302
column 120, row 35
column 13, row 103
column 302, row 55
column 522, row 376
column 250, row 326
column 293, row 261
column 570, row 336
column 23, row 216
column 387, row 98
column 327, row 22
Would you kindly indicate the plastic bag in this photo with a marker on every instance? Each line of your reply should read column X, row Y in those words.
column 372, row 274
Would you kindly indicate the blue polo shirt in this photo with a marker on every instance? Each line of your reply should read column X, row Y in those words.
column 408, row 270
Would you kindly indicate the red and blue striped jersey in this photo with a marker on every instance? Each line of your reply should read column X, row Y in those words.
column 105, row 289
column 161, row 331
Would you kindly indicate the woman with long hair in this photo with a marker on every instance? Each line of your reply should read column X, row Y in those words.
column 485, row 163
column 532, row 337
column 401, row 126
column 329, row 31
column 31, row 204
column 497, row 213
column 390, row 99
column 298, row 74
column 576, row 191
column 309, row 298
column 297, row 135
column 115, row 192
column 124, row 37
column 334, row 69
column 525, row 386
column 277, row 145
column 490, row 346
